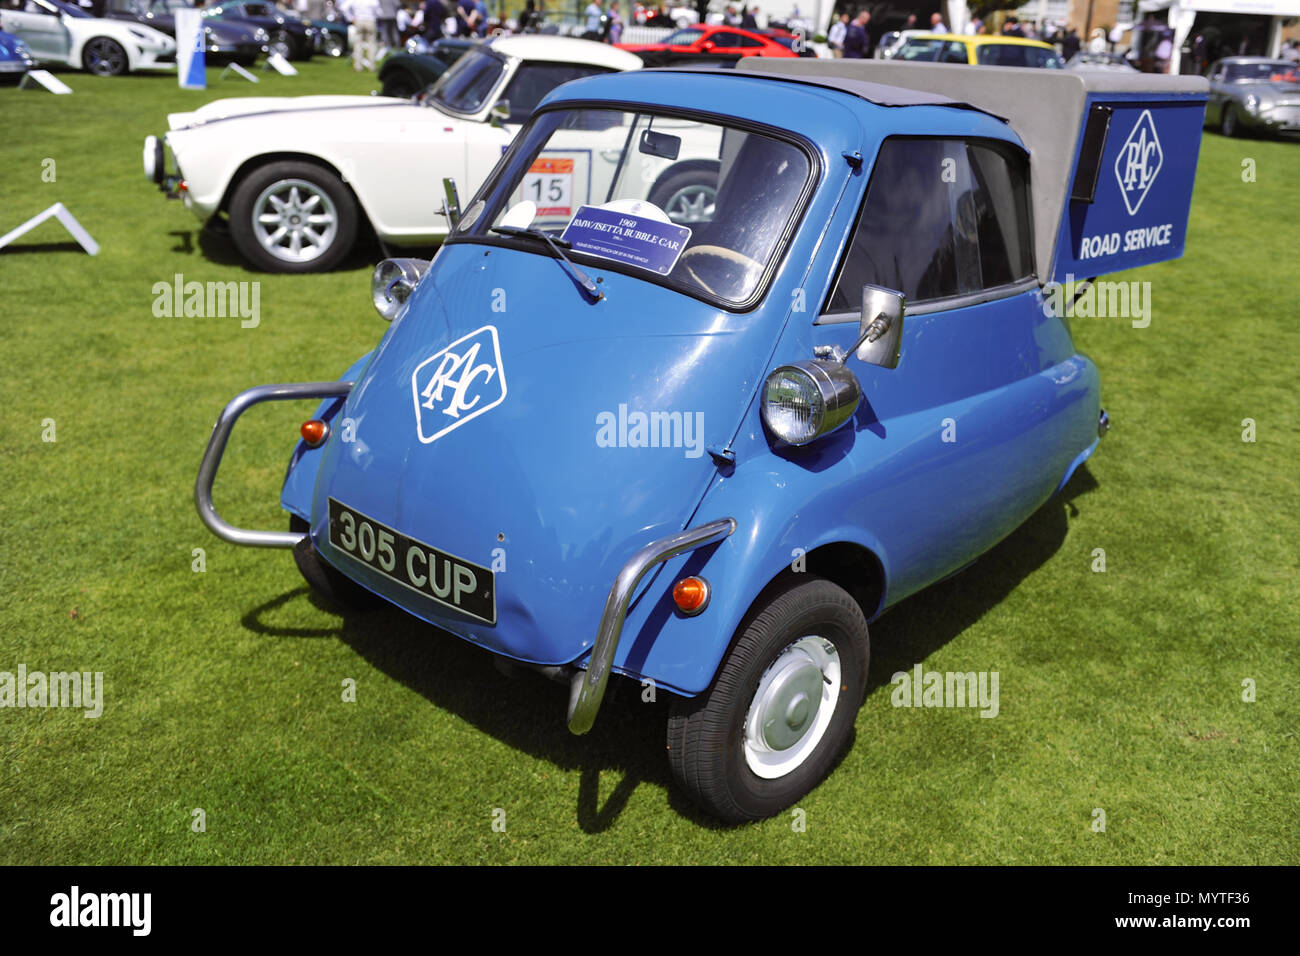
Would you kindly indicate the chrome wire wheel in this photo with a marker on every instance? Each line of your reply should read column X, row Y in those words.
column 792, row 707
column 691, row 204
column 280, row 44
column 295, row 220
column 104, row 57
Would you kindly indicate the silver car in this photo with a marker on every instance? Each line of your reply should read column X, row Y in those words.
column 1254, row 93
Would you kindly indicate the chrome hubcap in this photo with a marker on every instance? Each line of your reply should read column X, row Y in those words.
column 792, row 707
column 691, row 204
column 295, row 220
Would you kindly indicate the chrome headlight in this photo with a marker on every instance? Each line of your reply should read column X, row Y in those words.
column 1252, row 103
column 803, row 401
column 393, row 282
column 261, row 35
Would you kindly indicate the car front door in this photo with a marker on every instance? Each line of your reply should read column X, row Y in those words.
column 988, row 406
column 41, row 27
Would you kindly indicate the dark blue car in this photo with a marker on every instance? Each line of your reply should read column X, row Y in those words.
column 15, row 58
column 222, row 42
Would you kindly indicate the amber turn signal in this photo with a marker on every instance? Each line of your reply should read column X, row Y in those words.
column 314, row 432
column 691, row 595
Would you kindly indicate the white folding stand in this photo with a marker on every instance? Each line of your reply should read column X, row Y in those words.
column 281, row 65
column 59, row 212
column 46, row 79
column 238, row 71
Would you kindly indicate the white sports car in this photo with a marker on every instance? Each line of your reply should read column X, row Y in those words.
column 298, row 177
column 63, row 33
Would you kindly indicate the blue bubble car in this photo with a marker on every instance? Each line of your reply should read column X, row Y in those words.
column 704, row 451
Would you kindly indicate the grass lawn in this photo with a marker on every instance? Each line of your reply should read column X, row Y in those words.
column 1120, row 691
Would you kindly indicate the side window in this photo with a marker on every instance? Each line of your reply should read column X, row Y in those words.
column 941, row 218
column 532, row 81
column 954, row 53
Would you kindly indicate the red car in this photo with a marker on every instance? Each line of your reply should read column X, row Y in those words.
column 706, row 42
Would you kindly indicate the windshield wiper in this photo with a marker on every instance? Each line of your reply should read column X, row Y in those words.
column 556, row 245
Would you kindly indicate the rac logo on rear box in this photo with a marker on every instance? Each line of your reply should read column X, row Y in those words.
column 1138, row 162
column 458, row 384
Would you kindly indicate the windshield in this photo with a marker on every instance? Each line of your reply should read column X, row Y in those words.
column 927, row 50
column 468, row 82
column 1013, row 54
column 1257, row 72
column 682, row 37
column 71, row 9
column 691, row 204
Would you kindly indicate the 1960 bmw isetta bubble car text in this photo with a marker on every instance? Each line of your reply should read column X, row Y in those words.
column 654, row 419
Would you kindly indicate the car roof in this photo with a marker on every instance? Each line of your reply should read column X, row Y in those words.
column 1043, row 107
column 981, row 40
column 566, row 50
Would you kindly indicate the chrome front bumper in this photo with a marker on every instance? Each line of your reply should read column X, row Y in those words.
column 217, row 446
column 587, row 688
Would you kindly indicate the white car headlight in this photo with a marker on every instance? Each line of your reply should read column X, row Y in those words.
column 1252, row 103
column 803, row 401
column 261, row 35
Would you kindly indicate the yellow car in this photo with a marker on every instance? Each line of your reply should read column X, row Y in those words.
column 983, row 50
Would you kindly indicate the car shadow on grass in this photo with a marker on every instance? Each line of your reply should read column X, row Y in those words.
column 528, row 712
column 215, row 245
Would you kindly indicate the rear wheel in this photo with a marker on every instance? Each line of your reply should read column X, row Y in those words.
column 281, row 44
column 1228, row 123
column 325, row 579
column 104, row 57
column 293, row 217
column 402, row 84
column 332, row 44
column 781, row 708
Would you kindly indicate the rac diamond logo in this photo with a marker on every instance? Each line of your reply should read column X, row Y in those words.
column 1138, row 162
column 459, row 383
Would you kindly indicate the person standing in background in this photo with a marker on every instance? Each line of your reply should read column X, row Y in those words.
column 1069, row 43
column 481, row 26
column 856, row 40
column 594, row 16
column 835, row 36
column 364, row 16
column 387, row 24
column 750, row 20
column 615, row 23
column 434, row 15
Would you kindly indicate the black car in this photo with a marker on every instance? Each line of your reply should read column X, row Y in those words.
column 222, row 42
column 405, row 74
column 288, row 34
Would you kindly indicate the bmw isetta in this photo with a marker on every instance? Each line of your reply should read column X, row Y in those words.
column 712, row 452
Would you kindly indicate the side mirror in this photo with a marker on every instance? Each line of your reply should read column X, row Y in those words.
column 499, row 113
column 450, row 203
column 880, row 330
column 393, row 282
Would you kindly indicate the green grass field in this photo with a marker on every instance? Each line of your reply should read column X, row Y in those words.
column 1120, row 691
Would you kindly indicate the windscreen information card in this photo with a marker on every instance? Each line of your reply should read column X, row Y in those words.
column 627, row 237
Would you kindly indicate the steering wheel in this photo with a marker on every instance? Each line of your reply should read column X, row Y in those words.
column 717, row 252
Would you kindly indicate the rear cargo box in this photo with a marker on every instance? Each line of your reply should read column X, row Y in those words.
column 1112, row 156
